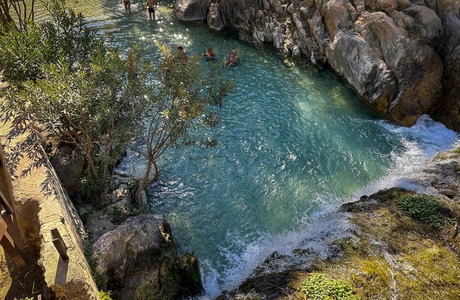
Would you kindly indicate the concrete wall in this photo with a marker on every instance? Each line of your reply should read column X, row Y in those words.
column 40, row 205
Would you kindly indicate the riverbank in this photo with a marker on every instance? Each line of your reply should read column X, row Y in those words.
column 396, row 251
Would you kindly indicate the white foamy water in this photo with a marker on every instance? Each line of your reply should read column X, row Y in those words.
column 300, row 248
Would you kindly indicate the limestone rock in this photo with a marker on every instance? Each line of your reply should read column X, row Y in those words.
column 214, row 19
column 381, row 5
column 411, row 44
column 337, row 15
column 363, row 68
column 416, row 67
column 138, row 235
column 189, row 11
column 68, row 164
column 139, row 258
column 428, row 25
column 448, row 110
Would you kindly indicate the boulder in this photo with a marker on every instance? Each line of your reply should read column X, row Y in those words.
column 411, row 44
column 381, row 5
column 214, row 19
column 363, row 68
column 337, row 15
column 189, row 11
column 416, row 67
column 427, row 25
column 141, row 251
column 448, row 109
column 68, row 164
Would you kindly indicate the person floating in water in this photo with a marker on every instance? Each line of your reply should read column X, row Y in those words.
column 151, row 8
column 210, row 53
column 127, row 4
column 232, row 60
column 182, row 55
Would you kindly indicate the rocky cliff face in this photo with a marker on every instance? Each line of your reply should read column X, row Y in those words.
column 401, row 56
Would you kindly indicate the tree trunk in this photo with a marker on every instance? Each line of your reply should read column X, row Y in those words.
column 146, row 182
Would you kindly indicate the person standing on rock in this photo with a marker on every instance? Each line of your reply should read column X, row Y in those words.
column 151, row 8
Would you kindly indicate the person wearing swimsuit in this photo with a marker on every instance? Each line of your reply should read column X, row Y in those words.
column 151, row 8
column 127, row 4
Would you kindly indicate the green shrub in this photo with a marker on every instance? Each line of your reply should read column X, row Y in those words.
column 24, row 53
column 319, row 287
column 425, row 209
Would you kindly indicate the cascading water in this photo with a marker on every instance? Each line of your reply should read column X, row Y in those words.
column 293, row 145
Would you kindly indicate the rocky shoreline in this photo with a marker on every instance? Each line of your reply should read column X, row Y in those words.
column 402, row 57
column 390, row 254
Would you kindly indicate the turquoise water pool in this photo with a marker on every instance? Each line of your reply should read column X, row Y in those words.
column 293, row 144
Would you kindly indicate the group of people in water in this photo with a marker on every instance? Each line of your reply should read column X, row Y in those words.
column 150, row 7
column 210, row 54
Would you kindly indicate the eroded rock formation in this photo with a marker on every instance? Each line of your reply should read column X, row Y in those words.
column 136, row 256
column 401, row 56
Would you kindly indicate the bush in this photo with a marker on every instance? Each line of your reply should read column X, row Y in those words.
column 21, row 54
column 24, row 53
column 319, row 287
column 425, row 209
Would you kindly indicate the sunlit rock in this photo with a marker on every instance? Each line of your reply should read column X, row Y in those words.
column 190, row 11
column 363, row 68
column 214, row 19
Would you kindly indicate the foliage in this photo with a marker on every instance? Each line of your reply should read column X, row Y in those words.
column 93, row 98
column 64, row 36
column 318, row 286
column 182, row 101
column 81, row 90
column 21, row 54
column 15, row 14
column 92, row 108
column 425, row 209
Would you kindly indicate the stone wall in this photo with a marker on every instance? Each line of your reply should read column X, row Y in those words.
column 401, row 56
column 40, row 205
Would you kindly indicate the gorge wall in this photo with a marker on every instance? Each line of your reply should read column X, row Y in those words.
column 401, row 56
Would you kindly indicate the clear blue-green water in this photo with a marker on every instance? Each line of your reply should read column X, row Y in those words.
column 293, row 144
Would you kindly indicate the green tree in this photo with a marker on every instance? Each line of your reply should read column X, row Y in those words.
column 15, row 14
column 183, row 98
column 92, row 97
column 64, row 35
column 95, row 108
column 77, row 87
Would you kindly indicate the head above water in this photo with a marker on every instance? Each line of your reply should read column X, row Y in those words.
column 180, row 48
column 234, row 51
